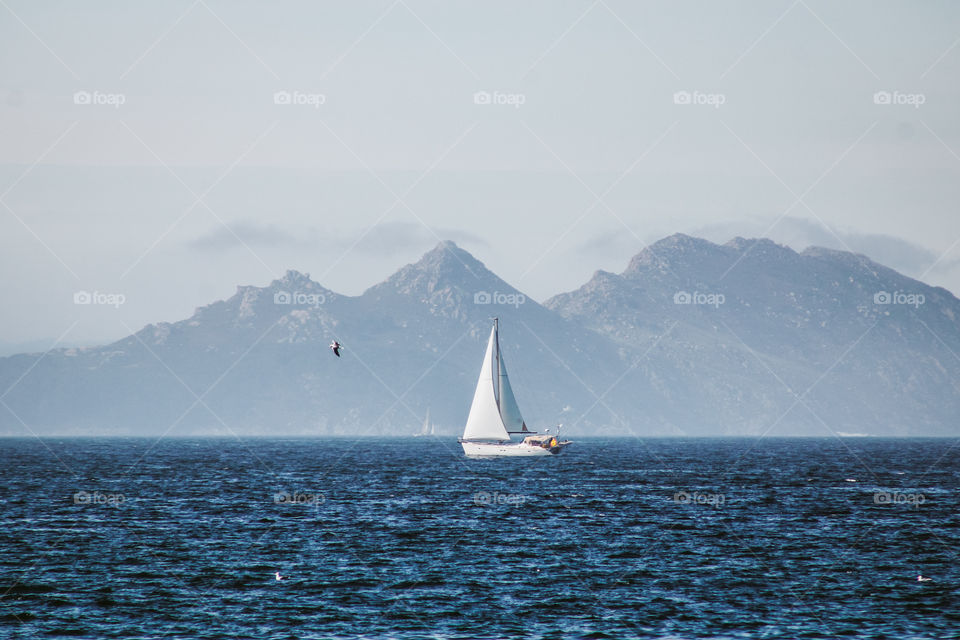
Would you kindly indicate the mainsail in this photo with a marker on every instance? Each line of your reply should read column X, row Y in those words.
column 426, row 424
column 494, row 412
column 509, row 411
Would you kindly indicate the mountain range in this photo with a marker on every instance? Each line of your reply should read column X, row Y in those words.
column 692, row 338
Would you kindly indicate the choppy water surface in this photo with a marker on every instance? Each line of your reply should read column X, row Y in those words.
column 407, row 539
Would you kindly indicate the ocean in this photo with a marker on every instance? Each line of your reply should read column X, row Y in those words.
column 406, row 538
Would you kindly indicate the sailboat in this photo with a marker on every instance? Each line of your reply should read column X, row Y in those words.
column 495, row 417
column 427, row 429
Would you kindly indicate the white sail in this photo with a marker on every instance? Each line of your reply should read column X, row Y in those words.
column 426, row 424
column 484, row 421
column 509, row 411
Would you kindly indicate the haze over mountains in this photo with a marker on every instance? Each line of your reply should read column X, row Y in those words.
column 693, row 338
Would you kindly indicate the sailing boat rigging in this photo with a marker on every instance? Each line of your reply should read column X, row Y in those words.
column 427, row 429
column 495, row 417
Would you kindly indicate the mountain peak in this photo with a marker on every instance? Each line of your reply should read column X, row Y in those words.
column 445, row 261
column 448, row 255
column 681, row 240
column 293, row 278
column 662, row 252
column 444, row 277
column 764, row 245
column 836, row 254
column 445, row 245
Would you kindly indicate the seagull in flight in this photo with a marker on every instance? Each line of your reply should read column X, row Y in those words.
column 278, row 576
column 335, row 347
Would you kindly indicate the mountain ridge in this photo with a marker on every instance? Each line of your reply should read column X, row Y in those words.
column 692, row 338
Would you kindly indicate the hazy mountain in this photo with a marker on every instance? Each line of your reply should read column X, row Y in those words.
column 692, row 338
column 412, row 342
column 763, row 337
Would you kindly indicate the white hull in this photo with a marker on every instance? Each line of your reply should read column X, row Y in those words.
column 491, row 449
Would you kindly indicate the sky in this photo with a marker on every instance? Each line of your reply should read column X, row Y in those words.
column 160, row 154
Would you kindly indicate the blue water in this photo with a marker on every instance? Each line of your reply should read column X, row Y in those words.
column 624, row 538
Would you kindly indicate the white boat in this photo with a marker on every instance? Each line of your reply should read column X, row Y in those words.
column 427, row 429
column 495, row 417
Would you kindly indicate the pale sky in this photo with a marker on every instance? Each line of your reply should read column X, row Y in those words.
column 183, row 177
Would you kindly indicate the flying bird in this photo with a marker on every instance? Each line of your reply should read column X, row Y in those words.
column 278, row 576
column 335, row 347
